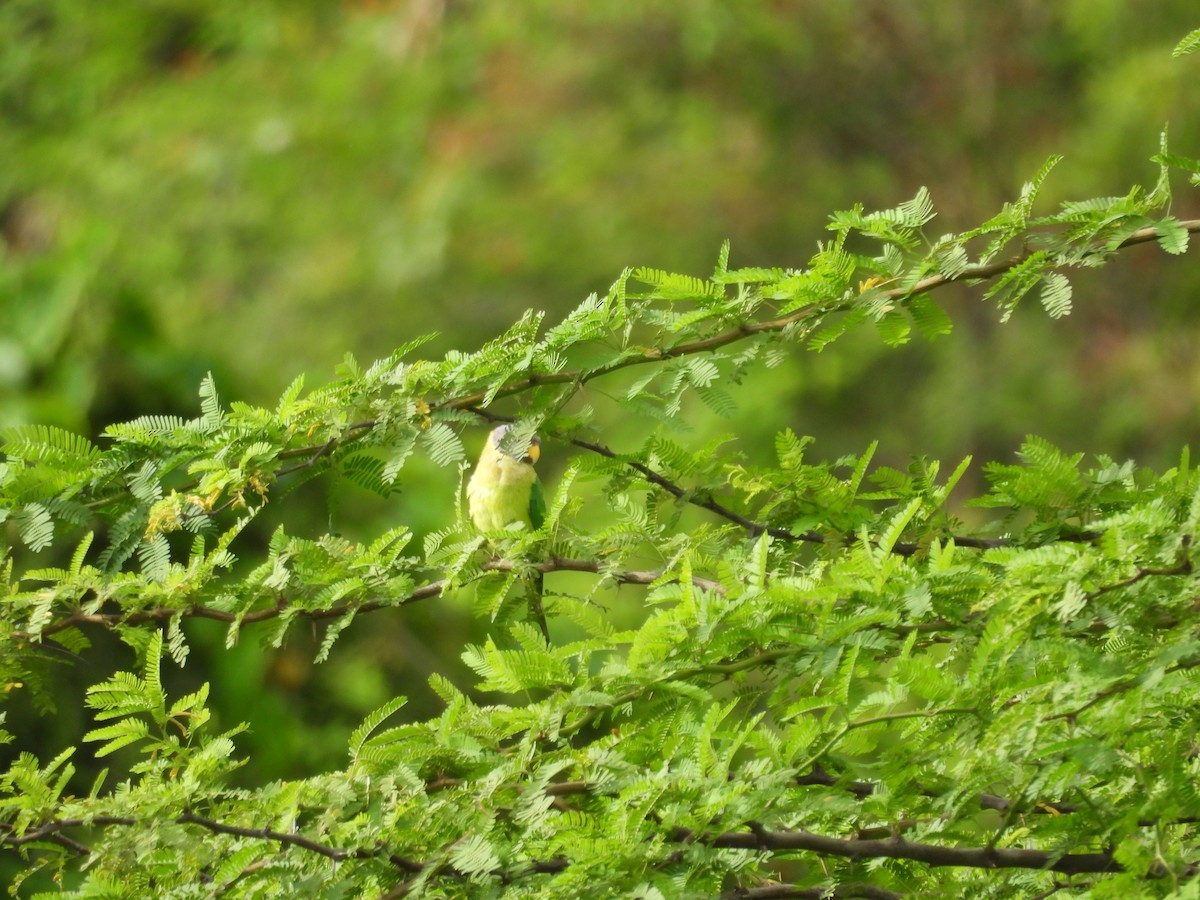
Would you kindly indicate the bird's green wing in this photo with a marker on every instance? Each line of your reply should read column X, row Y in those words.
column 537, row 506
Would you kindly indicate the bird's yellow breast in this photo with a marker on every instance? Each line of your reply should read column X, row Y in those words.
column 499, row 491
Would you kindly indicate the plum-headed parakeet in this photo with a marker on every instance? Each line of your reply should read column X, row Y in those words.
column 504, row 490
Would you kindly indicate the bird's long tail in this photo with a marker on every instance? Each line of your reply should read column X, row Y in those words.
column 534, row 590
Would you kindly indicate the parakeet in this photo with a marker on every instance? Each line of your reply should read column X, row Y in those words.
column 504, row 489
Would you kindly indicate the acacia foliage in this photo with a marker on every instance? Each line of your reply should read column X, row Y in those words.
column 838, row 686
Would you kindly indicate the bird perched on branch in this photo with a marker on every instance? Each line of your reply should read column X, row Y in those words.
column 504, row 490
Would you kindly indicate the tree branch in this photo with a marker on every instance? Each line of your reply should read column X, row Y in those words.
column 424, row 592
column 794, row 892
column 756, row 837
column 1183, row 567
column 313, row 454
column 1119, row 688
column 472, row 402
column 703, row 500
column 818, row 777
column 762, row 839
column 292, row 839
column 750, row 329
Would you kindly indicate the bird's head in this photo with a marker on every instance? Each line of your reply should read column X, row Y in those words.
column 513, row 446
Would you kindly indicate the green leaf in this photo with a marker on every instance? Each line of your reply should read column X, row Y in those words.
column 1056, row 295
column 211, row 416
column 361, row 734
column 1189, row 44
column 442, row 444
column 154, row 556
column 1173, row 236
column 118, row 735
column 931, row 320
column 35, row 526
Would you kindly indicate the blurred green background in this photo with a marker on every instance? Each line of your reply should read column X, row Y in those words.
column 257, row 188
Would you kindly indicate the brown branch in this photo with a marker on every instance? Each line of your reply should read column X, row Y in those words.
column 292, row 839
column 314, row 453
column 70, row 844
column 793, row 892
column 756, row 838
column 818, row 777
column 762, row 839
column 1119, row 688
column 1183, row 567
column 704, row 500
column 749, row 329
column 766, row 657
column 991, row 270
column 424, row 592
column 47, row 829
column 580, row 377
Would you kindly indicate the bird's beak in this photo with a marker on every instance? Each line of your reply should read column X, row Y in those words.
column 533, row 453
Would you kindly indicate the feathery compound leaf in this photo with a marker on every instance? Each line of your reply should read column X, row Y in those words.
column 333, row 630
column 839, row 327
column 718, row 400
column 1172, row 235
column 288, row 398
column 398, row 455
column 123, row 538
column 1031, row 189
column 513, row 671
column 1056, row 295
column 897, row 225
column 43, row 443
column 442, row 444
column 753, row 275
column 152, row 676
column 894, row 328
column 474, row 855
column 674, row 286
column 118, row 735
column 35, row 526
column 80, row 554
column 912, row 213
column 1014, row 284
column 1188, row 45
column 149, row 430
column 363, row 732
column 210, row 404
column 895, row 527
column 931, row 320
column 366, row 470
column 722, row 261
column 154, row 556
column 145, row 484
